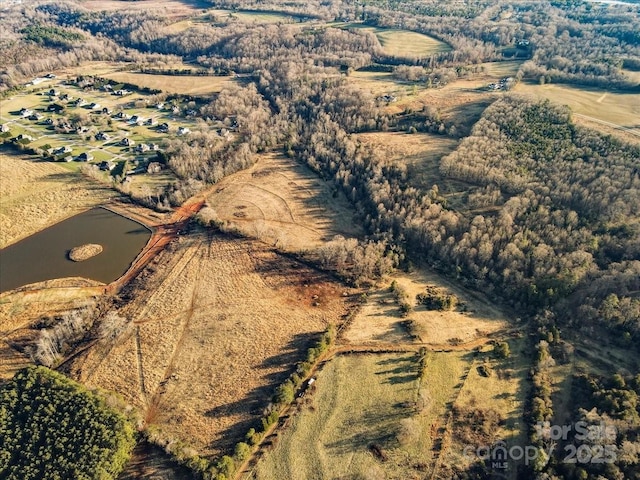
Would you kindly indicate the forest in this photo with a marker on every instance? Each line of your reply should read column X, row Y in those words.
column 52, row 427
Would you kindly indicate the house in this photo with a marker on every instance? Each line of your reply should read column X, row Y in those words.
column 102, row 136
column 94, row 106
column 107, row 165
column 25, row 112
column 48, row 121
column 121, row 116
column 85, row 157
column 55, row 107
column 49, row 75
column 136, row 120
column 121, row 93
column 127, row 142
column 106, row 111
column 151, row 122
column 143, row 147
column 159, row 105
column 82, row 129
column 107, row 88
column 154, row 167
column 183, row 130
column 163, row 128
column 175, row 110
column 35, row 116
column 53, row 92
column 61, row 150
column 23, row 137
column 4, row 128
column 68, row 158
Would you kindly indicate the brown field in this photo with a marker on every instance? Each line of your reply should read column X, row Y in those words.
column 216, row 324
column 186, row 84
column 163, row 8
column 380, row 320
column 36, row 194
column 420, row 152
column 282, row 202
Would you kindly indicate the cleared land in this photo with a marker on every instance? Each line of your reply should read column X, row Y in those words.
column 254, row 16
column 164, row 8
column 403, row 43
column 488, row 408
column 215, row 325
column 619, row 109
column 183, row 84
column 35, row 194
column 380, row 320
column 371, row 416
column 280, row 201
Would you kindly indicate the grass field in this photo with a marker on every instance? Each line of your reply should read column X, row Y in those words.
column 184, row 84
column 251, row 16
column 380, row 320
column 164, row 8
column 282, row 202
column 40, row 194
column 217, row 323
column 402, row 43
column 622, row 109
column 502, row 69
column 365, row 400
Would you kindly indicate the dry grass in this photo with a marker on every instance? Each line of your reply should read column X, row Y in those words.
column 216, row 325
column 284, row 203
column 36, row 194
column 419, row 152
column 163, row 8
column 254, row 16
column 368, row 399
column 332, row 439
column 380, row 320
column 621, row 109
column 504, row 393
column 498, row 70
column 184, row 84
column 403, row 43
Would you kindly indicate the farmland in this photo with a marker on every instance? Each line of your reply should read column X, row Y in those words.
column 253, row 16
column 402, row 43
column 614, row 108
column 202, row 306
column 182, row 84
column 283, row 203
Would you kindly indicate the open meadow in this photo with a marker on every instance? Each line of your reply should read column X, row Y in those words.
column 596, row 107
column 381, row 321
column 182, row 84
column 402, row 43
column 35, row 194
column 165, row 8
column 215, row 324
column 282, row 202
column 253, row 16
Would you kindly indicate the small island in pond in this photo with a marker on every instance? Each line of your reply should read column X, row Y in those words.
column 84, row 252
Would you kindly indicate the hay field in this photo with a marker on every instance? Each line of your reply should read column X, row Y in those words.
column 619, row 109
column 402, row 43
column 163, row 8
column 254, row 16
column 184, row 84
column 498, row 70
column 380, row 320
column 331, row 434
column 36, row 194
column 282, row 202
column 215, row 324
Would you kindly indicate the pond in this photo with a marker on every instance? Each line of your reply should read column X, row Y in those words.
column 44, row 255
